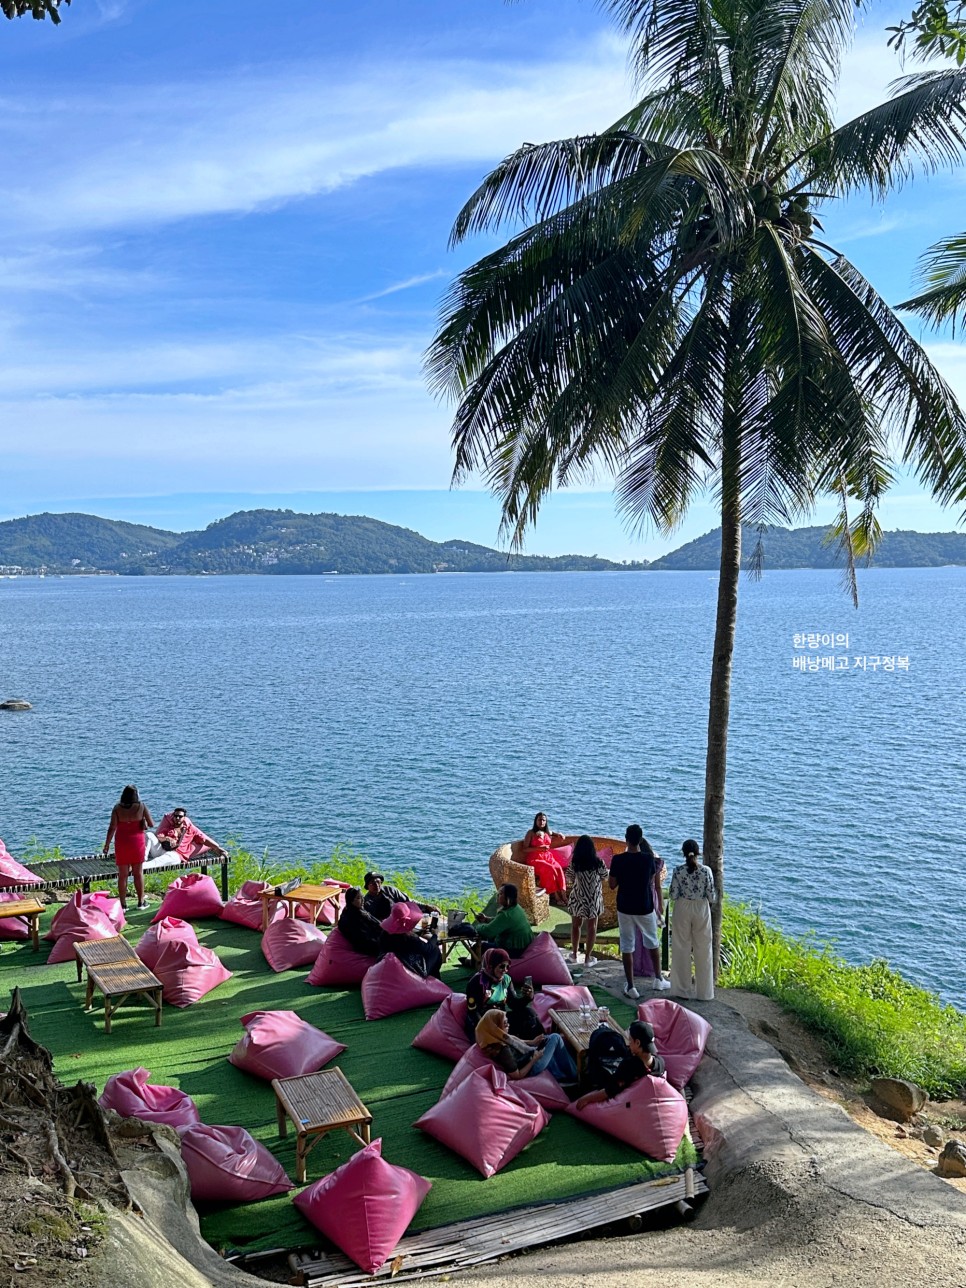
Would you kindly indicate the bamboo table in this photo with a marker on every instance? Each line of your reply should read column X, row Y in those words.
column 567, row 1024
column 116, row 970
column 313, row 896
column 30, row 910
column 318, row 1103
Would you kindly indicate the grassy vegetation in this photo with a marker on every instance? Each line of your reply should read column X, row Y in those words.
column 875, row 1022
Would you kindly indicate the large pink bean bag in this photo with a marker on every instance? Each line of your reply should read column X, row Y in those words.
column 444, row 1033
column 403, row 918
column 226, row 1164
column 187, row 971
column 650, row 1115
column 244, row 908
column 390, row 987
column 132, row 1096
column 288, row 943
column 165, row 931
column 13, row 927
column 190, row 896
column 543, row 960
column 365, row 1206
column 485, row 1119
column 338, row 965
column 544, row 1087
column 560, row 997
column 13, row 873
column 85, row 922
column 679, row 1034
column 71, row 913
column 280, row 1044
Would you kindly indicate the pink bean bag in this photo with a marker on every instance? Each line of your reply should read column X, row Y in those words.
column 365, row 1206
column 444, row 1033
column 403, row 918
column 187, row 971
column 389, row 987
column 560, row 997
column 71, row 913
column 485, row 1119
column 338, row 965
column 279, row 1044
column 544, row 1087
column 84, row 922
column 13, row 873
column 132, row 1096
column 542, row 960
column 225, row 1164
column 190, row 896
column 679, row 1034
column 650, row 1115
column 244, row 908
column 288, row 943
column 13, row 927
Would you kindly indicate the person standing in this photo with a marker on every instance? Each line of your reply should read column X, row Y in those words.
column 639, row 905
column 585, row 901
column 130, row 819
column 692, row 893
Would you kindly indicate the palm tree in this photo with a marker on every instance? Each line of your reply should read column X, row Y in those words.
column 670, row 313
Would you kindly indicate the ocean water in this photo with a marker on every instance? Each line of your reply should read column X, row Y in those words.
column 424, row 720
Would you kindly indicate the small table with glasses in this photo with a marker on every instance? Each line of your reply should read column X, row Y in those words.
column 463, row 935
column 318, row 1103
column 576, row 1027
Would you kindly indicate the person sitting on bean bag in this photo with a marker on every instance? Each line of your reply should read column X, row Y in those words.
column 509, row 928
column 519, row 1059
column 379, row 897
column 523, row 1020
column 620, row 1066
column 366, row 935
column 492, row 987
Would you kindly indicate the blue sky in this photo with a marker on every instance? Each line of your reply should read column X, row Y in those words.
column 225, row 241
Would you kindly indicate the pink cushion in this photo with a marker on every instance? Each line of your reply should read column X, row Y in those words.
column 132, row 1096
column 444, row 1033
column 13, row 927
column 72, row 913
column 88, row 923
column 485, row 1119
column 280, row 1044
column 338, row 965
column 187, row 971
column 13, row 873
column 389, row 987
column 225, row 1164
column 543, row 961
column 560, row 997
column 544, row 1087
column 650, row 1115
column 563, row 854
column 288, row 943
column 193, row 895
column 605, row 854
column 403, row 918
column 680, row 1036
column 365, row 1206
column 330, row 911
column 244, row 908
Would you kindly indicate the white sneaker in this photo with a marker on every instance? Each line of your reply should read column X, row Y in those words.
column 630, row 991
column 591, row 961
column 142, row 905
column 572, row 957
column 661, row 984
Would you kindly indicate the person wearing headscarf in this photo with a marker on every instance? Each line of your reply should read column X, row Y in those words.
column 519, row 1058
column 492, row 987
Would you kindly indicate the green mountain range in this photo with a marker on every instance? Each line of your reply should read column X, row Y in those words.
column 282, row 541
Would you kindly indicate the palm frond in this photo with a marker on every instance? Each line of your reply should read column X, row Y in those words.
column 943, row 272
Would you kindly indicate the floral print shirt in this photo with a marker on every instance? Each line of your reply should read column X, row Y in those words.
column 692, row 885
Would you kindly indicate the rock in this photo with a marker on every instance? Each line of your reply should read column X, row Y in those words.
column 15, row 704
column 903, row 1099
column 952, row 1161
column 933, row 1136
column 768, row 1030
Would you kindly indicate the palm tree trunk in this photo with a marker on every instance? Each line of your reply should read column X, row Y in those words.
column 719, row 704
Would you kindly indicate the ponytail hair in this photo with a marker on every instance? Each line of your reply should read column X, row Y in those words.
column 690, row 849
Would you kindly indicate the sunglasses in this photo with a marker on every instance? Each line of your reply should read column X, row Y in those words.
column 178, row 814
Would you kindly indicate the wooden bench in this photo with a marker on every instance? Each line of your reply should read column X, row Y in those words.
column 30, row 910
column 115, row 969
column 318, row 1103
column 82, row 869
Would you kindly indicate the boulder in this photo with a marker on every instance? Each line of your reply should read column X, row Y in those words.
column 952, row 1161
column 15, row 704
column 902, row 1099
column 933, row 1136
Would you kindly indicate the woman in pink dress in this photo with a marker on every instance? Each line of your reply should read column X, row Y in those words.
column 130, row 819
column 538, row 852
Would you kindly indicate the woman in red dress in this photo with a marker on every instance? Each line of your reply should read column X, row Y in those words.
column 538, row 852
column 130, row 819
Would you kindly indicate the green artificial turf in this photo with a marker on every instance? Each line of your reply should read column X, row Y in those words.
column 396, row 1082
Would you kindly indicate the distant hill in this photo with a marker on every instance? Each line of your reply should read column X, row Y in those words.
column 809, row 548
column 257, row 541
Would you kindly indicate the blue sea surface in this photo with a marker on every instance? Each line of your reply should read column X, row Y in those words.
column 424, row 720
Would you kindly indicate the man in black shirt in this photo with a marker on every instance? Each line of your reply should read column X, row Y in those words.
column 641, row 1061
column 379, row 897
column 639, row 905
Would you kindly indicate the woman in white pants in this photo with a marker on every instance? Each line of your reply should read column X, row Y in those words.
column 692, row 893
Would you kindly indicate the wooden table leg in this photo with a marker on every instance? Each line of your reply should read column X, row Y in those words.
column 282, row 1117
column 89, row 999
column 107, row 1014
column 159, row 1000
column 35, row 931
column 300, row 1152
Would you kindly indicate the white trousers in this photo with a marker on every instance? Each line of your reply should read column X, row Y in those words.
column 691, row 935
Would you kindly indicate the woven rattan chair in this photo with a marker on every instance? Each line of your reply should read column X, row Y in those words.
column 505, row 866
